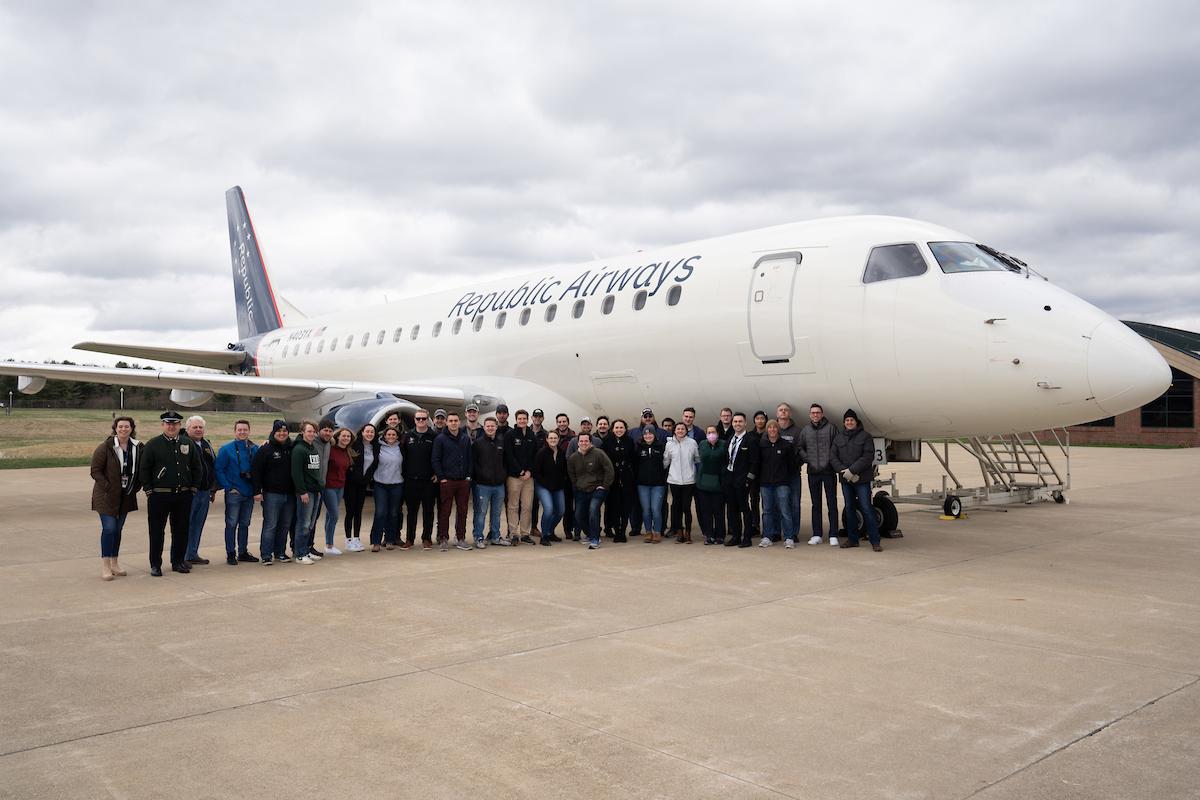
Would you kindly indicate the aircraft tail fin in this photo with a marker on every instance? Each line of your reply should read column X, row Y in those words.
column 257, row 311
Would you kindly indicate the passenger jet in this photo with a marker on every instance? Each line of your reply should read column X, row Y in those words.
column 923, row 330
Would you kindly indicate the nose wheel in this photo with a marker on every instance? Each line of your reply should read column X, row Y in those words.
column 952, row 507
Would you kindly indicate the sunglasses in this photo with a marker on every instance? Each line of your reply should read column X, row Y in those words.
column 420, row 419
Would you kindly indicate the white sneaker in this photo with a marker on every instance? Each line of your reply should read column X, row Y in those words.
column 765, row 542
column 480, row 544
column 787, row 545
column 833, row 541
column 330, row 550
column 815, row 540
column 358, row 545
column 304, row 560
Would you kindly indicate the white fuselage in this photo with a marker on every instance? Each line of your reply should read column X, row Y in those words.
column 926, row 356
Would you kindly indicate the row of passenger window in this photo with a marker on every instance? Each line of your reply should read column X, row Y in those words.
column 577, row 308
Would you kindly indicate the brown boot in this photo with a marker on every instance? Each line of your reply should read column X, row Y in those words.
column 687, row 537
column 116, row 568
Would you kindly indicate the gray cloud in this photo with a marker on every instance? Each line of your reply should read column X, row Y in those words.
column 388, row 150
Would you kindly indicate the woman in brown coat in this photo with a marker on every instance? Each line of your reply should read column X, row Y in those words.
column 115, row 472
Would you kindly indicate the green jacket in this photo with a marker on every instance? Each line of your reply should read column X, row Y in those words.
column 170, row 464
column 712, row 462
column 306, row 467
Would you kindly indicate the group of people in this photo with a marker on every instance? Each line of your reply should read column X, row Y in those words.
column 741, row 477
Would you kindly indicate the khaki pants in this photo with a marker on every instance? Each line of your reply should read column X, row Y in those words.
column 520, row 505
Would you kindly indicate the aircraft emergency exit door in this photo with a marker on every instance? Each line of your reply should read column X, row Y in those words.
column 770, row 311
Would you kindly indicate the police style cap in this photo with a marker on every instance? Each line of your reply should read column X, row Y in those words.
column 170, row 416
column 441, row 412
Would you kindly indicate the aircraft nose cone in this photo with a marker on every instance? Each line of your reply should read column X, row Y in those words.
column 1124, row 370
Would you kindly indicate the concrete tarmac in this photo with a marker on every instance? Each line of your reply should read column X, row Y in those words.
column 1052, row 651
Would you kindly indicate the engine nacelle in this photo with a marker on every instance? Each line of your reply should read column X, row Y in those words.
column 190, row 399
column 358, row 413
column 30, row 385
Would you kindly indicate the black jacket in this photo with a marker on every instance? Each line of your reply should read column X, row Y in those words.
column 272, row 468
column 520, row 447
column 452, row 456
column 650, row 468
column 357, row 475
column 418, row 454
column 548, row 471
column 208, row 464
column 777, row 461
column 745, row 458
column 487, row 461
column 622, row 452
column 854, row 451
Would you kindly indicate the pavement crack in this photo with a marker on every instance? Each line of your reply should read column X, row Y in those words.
column 1081, row 737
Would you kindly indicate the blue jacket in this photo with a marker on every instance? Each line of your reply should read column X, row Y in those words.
column 233, row 459
column 452, row 456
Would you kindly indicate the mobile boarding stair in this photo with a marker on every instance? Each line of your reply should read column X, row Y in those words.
column 1015, row 468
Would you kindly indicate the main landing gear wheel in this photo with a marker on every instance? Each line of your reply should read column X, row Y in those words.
column 886, row 514
column 853, row 519
column 1059, row 497
column 952, row 507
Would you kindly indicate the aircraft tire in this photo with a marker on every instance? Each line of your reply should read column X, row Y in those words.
column 889, row 517
column 952, row 507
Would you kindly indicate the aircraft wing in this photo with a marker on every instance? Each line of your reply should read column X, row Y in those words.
column 284, row 389
column 211, row 359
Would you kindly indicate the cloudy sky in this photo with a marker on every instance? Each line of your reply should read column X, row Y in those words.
column 387, row 149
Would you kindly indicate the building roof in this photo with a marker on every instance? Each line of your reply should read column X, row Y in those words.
column 1180, row 348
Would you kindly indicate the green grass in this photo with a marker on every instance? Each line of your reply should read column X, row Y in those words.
column 41, row 463
column 47, row 437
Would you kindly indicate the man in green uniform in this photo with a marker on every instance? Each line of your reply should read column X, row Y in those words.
column 170, row 473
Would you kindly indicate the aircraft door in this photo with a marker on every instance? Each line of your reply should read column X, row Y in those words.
column 770, row 307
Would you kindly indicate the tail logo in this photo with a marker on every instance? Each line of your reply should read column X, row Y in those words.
column 244, row 241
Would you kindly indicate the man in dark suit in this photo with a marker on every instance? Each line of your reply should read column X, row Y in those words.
column 737, row 482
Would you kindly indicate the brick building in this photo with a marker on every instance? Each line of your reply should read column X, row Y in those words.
column 1169, row 420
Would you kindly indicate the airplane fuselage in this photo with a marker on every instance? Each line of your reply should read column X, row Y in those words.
column 748, row 321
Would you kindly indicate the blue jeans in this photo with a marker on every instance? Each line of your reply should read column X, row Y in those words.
column 200, row 503
column 484, row 498
column 777, row 510
column 554, row 505
column 306, row 516
column 110, row 535
column 587, row 512
column 797, row 493
column 859, row 494
column 277, row 518
column 332, row 498
column 651, row 500
column 823, row 484
column 238, row 508
column 385, row 528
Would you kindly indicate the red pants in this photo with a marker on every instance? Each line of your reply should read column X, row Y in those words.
column 455, row 493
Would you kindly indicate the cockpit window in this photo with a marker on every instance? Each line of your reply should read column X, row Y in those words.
column 894, row 261
column 971, row 257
